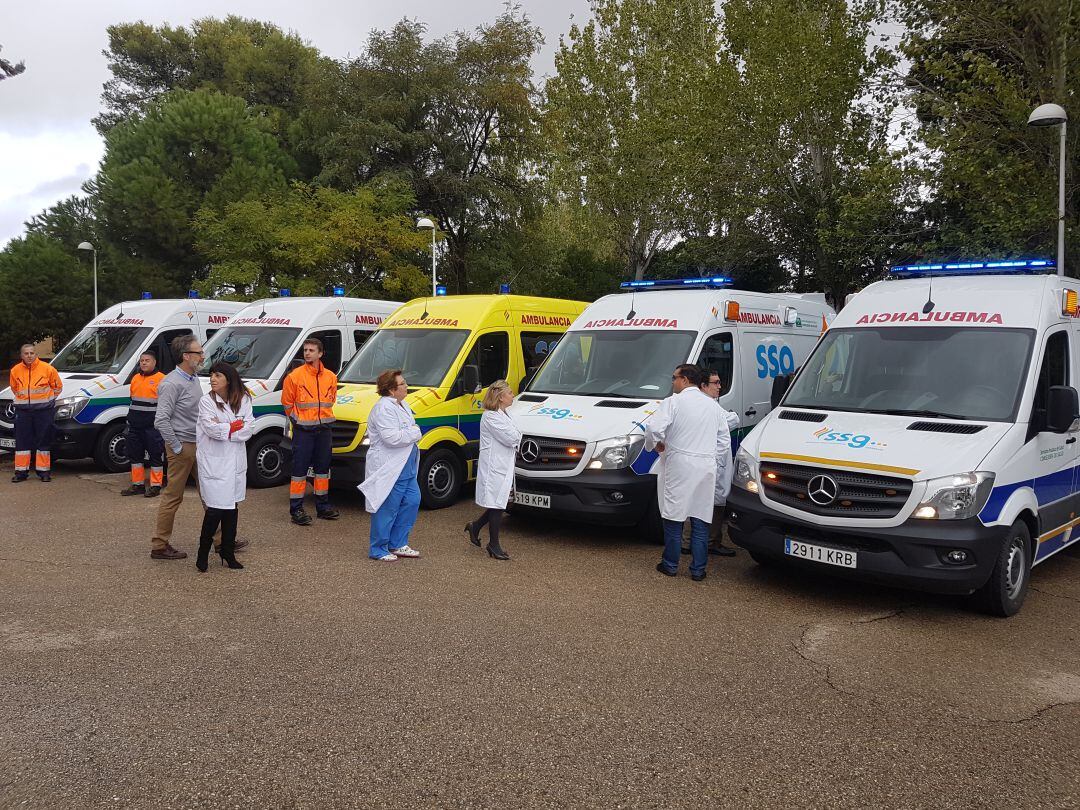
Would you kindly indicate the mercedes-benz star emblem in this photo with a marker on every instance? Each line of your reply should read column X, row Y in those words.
column 822, row 489
column 530, row 451
column 8, row 413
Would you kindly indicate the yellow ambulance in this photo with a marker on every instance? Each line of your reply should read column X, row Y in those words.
column 450, row 348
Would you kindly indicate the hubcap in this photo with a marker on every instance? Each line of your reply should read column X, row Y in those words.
column 440, row 479
column 118, row 450
column 268, row 461
column 1015, row 568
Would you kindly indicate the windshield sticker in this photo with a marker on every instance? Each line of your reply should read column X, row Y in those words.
column 663, row 323
column 262, row 321
column 425, row 322
column 938, row 317
column 856, row 441
column 120, row 322
column 554, row 413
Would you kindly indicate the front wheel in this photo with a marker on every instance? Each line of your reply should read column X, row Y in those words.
column 440, row 478
column 110, row 450
column 1003, row 594
column 268, row 462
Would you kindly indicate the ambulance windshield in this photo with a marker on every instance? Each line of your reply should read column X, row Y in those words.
column 423, row 355
column 932, row 371
column 631, row 363
column 101, row 350
column 254, row 351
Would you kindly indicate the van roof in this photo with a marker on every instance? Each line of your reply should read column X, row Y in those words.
column 471, row 311
column 297, row 310
column 697, row 310
column 979, row 300
column 161, row 310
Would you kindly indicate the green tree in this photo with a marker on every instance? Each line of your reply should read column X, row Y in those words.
column 44, row 291
column 308, row 239
column 978, row 68
column 636, row 116
column 190, row 151
column 455, row 118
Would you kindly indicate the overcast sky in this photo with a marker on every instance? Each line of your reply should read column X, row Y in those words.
column 48, row 147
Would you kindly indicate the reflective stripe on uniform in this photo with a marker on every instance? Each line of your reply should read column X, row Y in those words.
column 156, row 475
column 138, row 474
column 22, row 460
column 297, row 486
column 322, row 484
column 43, row 461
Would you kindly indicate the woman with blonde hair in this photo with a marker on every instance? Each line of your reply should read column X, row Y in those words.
column 499, row 440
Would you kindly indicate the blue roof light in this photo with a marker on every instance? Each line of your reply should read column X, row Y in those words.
column 284, row 292
column 710, row 282
column 146, row 296
column 192, row 293
column 440, row 289
column 972, row 268
column 504, row 289
column 339, row 291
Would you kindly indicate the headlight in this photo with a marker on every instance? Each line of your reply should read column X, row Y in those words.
column 617, row 453
column 955, row 497
column 366, row 441
column 746, row 471
column 69, row 407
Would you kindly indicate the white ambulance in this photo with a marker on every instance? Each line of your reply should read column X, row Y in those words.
column 930, row 440
column 96, row 368
column 582, row 453
column 264, row 342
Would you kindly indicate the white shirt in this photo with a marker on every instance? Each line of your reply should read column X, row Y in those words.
column 689, row 424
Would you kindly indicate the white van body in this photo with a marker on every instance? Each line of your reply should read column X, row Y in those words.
column 264, row 341
column 917, row 446
column 97, row 365
column 582, row 454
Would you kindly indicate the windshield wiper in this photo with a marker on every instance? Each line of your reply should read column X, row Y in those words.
column 918, row 412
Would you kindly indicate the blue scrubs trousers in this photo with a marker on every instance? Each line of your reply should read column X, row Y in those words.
column 391, row 524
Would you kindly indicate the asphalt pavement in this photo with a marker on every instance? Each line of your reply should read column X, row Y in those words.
column 573, row 675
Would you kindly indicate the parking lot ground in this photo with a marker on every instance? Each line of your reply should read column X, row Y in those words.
column 572, row 676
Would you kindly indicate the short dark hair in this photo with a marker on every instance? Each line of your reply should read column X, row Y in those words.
column 691, row 372
column 24, row 345
column 149, row 353
column 314, row 341
column 387, row 381
column 180, row 344
column 706, row 373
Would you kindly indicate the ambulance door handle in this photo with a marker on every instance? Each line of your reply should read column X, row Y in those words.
column 1070, row 441
column 751, row 411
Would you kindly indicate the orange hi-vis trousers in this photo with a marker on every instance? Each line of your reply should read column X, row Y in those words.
column 33, row 436
column 311, row 450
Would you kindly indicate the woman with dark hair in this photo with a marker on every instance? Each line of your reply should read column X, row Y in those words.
column 224, row 425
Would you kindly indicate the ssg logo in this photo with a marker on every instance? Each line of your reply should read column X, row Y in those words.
column 772, row 361
column 856, row 441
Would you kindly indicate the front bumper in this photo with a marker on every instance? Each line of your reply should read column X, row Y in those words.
column 347, row 469
column 71, row 439
column 910, row 555
column 590, row 496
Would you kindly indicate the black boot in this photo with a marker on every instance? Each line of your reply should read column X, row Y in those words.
column 228, row 554
column 495, row 550
column 202, row 560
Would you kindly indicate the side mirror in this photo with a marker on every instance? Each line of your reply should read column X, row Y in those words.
column 470, row 379
column 780, row 385
column 1063, row 408
column 529, row 374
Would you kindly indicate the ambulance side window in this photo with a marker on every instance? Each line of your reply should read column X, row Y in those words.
column 717, row 355
column 536, row 346
column 491, row 357
column 331, row 341
column 360, row 337
column 162, row 347
column 1054, row 371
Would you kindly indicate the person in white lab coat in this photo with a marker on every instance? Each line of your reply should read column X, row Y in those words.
column 712, row 386
column 391, row 492
column 221, row 432
column 686, row 483
column 499, row 440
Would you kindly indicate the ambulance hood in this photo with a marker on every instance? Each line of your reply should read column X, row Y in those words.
column 587, row 419
column 882, row 443
column 361, row 398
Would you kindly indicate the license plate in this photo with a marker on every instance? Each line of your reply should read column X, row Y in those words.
column 8, row 444
column 532, row 499
column 821, row 554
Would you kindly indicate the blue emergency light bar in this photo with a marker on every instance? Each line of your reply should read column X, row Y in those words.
column 440, row 289
column 192, row 293
column 284, row 292
column 339, row 292
column 968, row 268
column 709, row 282
column 504, row 289
column 146, row 296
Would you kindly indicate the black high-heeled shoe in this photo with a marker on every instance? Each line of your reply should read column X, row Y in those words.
column 497, row 552
column 474, row 536
column 230, row 560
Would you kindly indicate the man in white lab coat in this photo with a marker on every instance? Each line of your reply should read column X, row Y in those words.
column 712, row 386
column 686, row 481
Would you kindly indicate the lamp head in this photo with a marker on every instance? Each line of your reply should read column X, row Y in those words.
column 424, row 223
column 1048, row 115
column 85, row 246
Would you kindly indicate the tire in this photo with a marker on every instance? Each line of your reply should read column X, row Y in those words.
column 440, row 477
column 268, row 462
column 110, row 450
column 1003, row 594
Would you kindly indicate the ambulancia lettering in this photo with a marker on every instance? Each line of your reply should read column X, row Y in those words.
column 373, row 320
column 767, row 318
column 263, row 321
column 424, row 322
column 928, row 317
column 545, row 320
column 662, row 323
column 217, row 318
column 121, row 322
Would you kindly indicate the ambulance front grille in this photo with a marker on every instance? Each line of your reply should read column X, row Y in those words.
column 858, row 495
column 343, row 432
column 545, row 453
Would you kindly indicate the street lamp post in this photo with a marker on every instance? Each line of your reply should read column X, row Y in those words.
column 1052, row 115
column 425, row 223
column 88, row 246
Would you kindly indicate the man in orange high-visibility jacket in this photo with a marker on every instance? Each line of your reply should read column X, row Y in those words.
column 308, row 396
column 142, row 437
column 35, row 386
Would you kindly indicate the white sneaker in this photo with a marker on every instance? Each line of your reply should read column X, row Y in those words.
column 386, row 558
column 405, row 551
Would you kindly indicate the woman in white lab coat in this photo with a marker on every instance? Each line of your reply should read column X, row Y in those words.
column 391, row 492
column 499, row 440
column 221, row 433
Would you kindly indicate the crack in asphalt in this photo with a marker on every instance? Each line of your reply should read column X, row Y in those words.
column 1032, row 717
column 1054, row 595
column 825, row 670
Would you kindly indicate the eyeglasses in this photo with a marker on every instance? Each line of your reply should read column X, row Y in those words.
column 714, row 382
column 675, row 377
column 400, row 384
column 193, row 352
